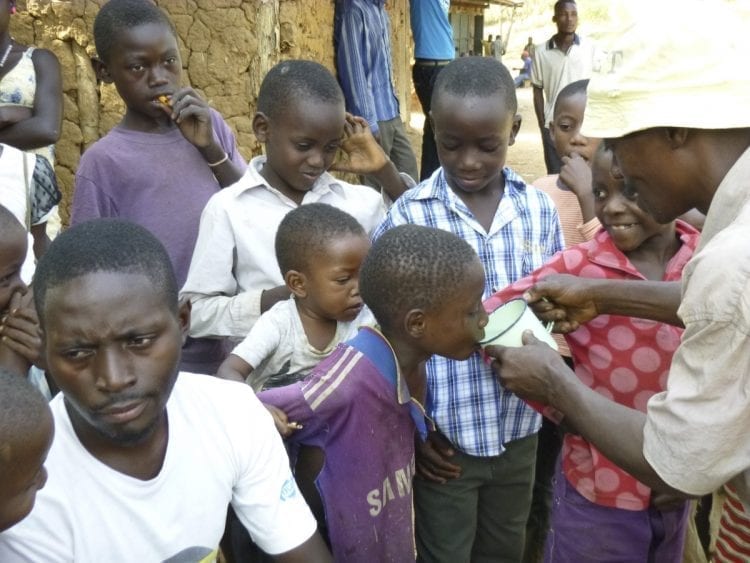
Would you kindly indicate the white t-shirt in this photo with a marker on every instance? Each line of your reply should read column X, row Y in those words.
column 553, row 69
column 278, row 349
column 15, row 196
column 222, row 448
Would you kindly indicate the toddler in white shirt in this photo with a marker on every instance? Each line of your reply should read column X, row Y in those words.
column 319, row 249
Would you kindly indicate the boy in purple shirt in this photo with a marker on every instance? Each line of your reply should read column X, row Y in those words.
column 168, row 155
column 362, row 404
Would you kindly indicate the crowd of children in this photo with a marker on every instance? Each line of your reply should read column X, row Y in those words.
column 362, row 421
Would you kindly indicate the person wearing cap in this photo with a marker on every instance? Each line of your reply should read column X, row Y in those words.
column 563, row 58
column 680, row 133
column 433, row 49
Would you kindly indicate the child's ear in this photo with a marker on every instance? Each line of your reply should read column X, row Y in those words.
column 415, row 323
column 514, row 129
column 101, row 71
column 677, row 136
column 297, row 283
column 183, row 317
column 260, row 126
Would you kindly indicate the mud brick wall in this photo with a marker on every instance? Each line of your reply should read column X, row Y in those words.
column 226, row 45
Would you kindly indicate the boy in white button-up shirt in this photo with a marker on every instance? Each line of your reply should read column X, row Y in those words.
column 319, row 250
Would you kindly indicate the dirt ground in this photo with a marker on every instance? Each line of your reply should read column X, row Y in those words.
column 525, row 156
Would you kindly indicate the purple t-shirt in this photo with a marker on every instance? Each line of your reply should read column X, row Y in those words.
column 351, row 409
column 160, row 181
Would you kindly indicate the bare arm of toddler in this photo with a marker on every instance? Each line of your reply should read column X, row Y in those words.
column 280, row 419
column 234, row 368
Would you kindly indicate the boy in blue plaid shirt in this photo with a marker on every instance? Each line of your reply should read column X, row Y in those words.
column 476, row 473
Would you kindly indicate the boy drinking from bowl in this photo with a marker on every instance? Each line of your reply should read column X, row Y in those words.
column 472, row 501
column 362, row 404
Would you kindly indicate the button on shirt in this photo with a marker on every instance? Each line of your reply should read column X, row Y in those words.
column 465, row 400
column 363, row 60
column 234, row 258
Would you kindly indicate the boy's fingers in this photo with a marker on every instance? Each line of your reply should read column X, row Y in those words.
column 447, row 470
column 436, row 463
column 29, row 352
column 428, row 475
column 22, row 331
column 24, row 326
column 15, row 302
column 27, row 300
column 22, row 313
column 192, row 111
column 283, row 429
column 440, row 473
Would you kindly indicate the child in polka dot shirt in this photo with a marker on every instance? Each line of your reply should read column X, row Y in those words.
column 599, row 511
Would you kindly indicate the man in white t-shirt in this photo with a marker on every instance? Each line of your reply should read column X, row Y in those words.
column 145, row 460
column 562, row 59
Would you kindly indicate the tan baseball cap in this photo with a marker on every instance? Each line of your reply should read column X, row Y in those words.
column 679, row 63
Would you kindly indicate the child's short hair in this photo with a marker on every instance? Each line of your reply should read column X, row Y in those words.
column 570, row 90
column 305, row 231
column 119, row 15
column 478, row 77
column 412, row 267
column 21, row 409
column 9, row 222
column 104, row 245
column 292, row 80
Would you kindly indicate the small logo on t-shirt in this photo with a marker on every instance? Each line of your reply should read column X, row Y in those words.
column 288, row 489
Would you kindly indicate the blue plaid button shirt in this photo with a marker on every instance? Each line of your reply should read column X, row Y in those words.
column 465, row 400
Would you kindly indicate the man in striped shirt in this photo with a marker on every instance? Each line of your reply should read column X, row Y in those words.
column 363, row 63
